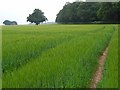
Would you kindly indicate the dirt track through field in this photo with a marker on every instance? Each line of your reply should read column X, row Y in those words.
column 98, row 74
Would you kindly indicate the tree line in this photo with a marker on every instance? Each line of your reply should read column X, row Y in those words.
column 90, row 12
column 79, row 12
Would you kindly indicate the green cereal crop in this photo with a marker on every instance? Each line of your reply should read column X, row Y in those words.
column 53, row 56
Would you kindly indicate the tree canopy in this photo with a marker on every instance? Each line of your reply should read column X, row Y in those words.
column 36, row 17
column 7, row 22
column 87, row 12
column 109, row 12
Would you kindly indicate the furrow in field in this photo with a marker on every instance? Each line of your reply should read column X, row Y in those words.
column 9, row 65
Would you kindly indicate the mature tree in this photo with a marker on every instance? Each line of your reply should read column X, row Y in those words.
column 36, row 17
column 109, row 11
column 14, row 23
column 68, row 13
column 105, row 11
column 78, row 12
column 7, row 22
column 88, row 12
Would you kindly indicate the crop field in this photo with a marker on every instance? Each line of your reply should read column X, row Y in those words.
column 57, row 56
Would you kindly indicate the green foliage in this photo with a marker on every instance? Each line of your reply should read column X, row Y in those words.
column 109, row 11
column 110, row 74
column 7, row 22
column 77, row 12
column 53, row 56
column 36, row 17
column 89, row 12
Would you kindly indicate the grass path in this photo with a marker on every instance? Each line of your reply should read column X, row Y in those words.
column 98, row 74
column 110, row 71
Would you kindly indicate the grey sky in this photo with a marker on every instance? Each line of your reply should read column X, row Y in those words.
column 18, row 10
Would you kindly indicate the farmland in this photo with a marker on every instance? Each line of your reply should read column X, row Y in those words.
column 55, row 56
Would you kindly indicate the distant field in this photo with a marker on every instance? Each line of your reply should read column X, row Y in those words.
column 56, row 56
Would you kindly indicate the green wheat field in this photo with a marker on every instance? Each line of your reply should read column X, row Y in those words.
column 58, row 56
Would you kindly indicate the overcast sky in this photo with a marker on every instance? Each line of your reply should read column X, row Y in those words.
column 18, row 10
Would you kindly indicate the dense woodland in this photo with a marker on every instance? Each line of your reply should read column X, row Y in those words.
column 90, row 12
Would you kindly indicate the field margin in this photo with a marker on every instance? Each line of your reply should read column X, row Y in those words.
column 0, row 57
